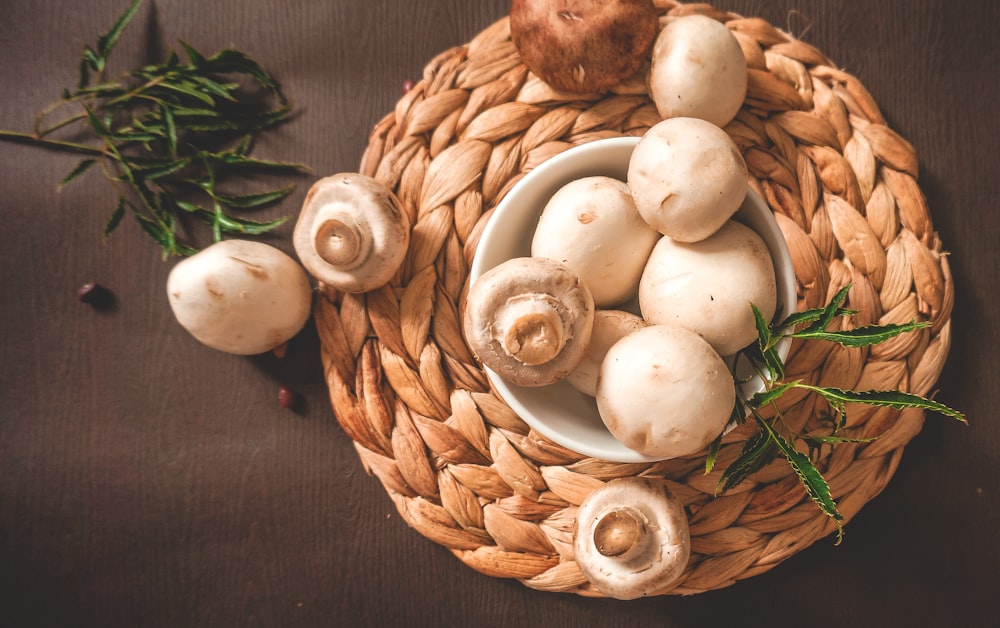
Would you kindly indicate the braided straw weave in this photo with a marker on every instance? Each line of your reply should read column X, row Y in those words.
column 462, row 468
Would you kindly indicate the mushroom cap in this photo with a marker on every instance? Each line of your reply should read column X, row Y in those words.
column 663, row 391
column 698, row 70
column 351, row 233
column 687, row 178
column 632, row 537
column 708, row 286
column 529, row 320
column 240, row 296
column 592, row 226
column 610, row 326
column 583, row 45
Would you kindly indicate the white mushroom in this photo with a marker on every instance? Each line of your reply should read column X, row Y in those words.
column 240, row 296
column 351, row 233
column 698, row 70
column 610, row 326
column 592, row 226
column 708, row 286
column 529, row 319
column 632, row 538
column 687, row 177
column 664, row 392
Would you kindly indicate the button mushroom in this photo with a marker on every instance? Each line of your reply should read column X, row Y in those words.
column 708, row 286
column 610, row 326
column 240, row 296
column 592, row 226
column 351, row 233
column 529, row 320
column 687, row 177
column 664, row 392
column 632, row 538
column 698, row 70
column 583, row 45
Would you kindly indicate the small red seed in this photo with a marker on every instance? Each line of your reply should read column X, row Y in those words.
column 94, row 294
column 408, row 85
column 288, row 398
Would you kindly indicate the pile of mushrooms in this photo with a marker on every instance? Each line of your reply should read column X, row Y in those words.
column 665, row 235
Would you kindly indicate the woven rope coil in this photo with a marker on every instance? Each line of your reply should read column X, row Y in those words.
column 460, row 466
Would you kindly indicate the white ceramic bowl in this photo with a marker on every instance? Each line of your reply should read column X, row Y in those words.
column 558, row 411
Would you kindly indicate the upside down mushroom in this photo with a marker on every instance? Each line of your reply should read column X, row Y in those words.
column 529, row 320
column 351, row 233
column 632, row 537
column 583, row 45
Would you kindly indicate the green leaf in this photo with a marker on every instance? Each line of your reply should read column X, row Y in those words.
column 197, row 59
column 170, row 127
column 107, row 41
column 812, row 480
column 860, row 336
column 80, row 168
column 770, row 395
column 713, row 453
column 162, row 169
column 809, row 316
column 234, row 61
column 830, row 311
column 260, row 199
column 882, row 398
column 116, row 217
column 766, row 346
column 757, row 452
column 231, row 224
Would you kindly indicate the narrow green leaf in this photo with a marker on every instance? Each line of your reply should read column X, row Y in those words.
column 713, row 453
column 163, row 169
column 260, row 199
column 116, row 217
column 170, row 127
column 231, row 159
column 860, row 336
column 107, row 41
column 766, row 345
column 883, row 398
column 234, row 61
column 80, row 168
column 231, row 224
column 196, row 58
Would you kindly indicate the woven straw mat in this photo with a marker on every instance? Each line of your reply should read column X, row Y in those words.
column 460, row 466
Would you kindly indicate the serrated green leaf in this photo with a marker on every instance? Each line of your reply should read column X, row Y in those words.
column 163, row 169
column 812, row 480
column 766, row 346
column 80, row 168
column 713, row 453
column 830, row 311
column 809, row 316
column 757, row 452
column 234, row 61
column 231, row 224
column 837, row 397
column 770, row 395
column 860, row 336
column 170, row 127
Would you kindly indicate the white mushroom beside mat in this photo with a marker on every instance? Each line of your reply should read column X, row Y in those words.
column 351, row 234
column 529, row 320
column 592, row 226
column 240, row 296
column 632, row 537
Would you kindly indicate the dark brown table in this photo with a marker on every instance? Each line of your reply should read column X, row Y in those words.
column 148, row 481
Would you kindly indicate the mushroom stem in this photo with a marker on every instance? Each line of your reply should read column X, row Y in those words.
column 619, row 531
column 530, row 328
column 339, row 242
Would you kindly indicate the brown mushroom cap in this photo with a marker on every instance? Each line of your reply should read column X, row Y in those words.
column 632, row 537
column 529, row 320
column 583, row 45
column 351, row 233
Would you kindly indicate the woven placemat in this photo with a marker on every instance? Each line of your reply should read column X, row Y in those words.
column 465, row 472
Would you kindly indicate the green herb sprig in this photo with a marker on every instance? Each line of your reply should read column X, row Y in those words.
column 774, row 437
column 172, row 138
